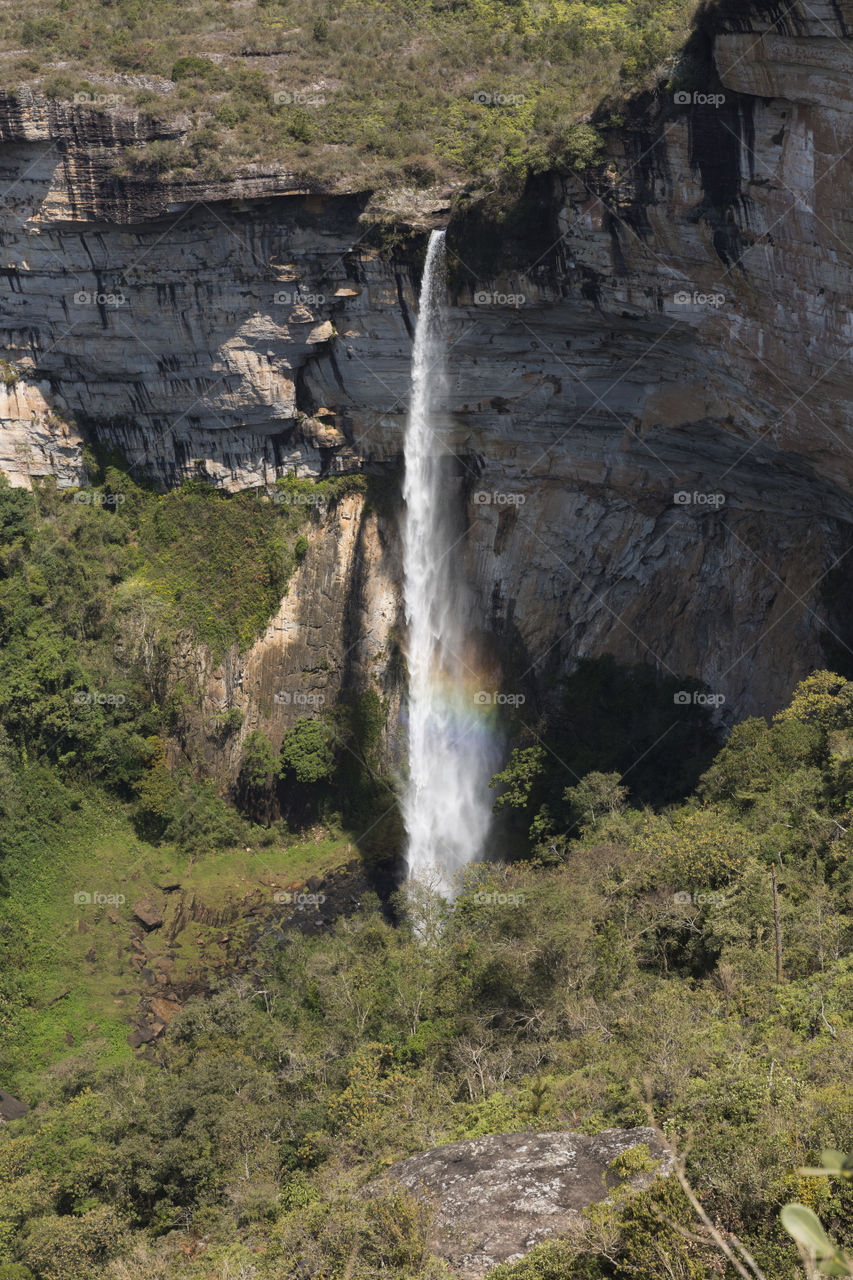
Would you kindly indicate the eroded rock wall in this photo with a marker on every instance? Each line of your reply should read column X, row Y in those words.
column 336, row 632
column 650, row 371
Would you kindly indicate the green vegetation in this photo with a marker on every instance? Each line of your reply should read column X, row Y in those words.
column 804, row 1225
column 636, row 969
column 354, row 93
column 63, row 964
column 103, row 780
column 223, row 560
column 625, row 959
column 222, row 565
column 98, row 590
column 616, row 723
column 327, row 764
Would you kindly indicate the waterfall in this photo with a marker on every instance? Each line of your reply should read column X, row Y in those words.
column 447, row 802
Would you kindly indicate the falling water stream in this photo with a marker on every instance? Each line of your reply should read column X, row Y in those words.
column 447, row 802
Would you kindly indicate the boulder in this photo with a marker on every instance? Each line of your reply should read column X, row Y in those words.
column 142, row 1035
column 164, row 1009
column 11, row 1108
column 149, row 912
column 497, row 1197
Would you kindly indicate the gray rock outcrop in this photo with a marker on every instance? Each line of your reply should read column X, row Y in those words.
column 495, row 1198
column 11, row 1108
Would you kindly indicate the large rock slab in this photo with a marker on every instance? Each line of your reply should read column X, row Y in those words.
column 150, row 913
column 497, row 1197
column 11, row 1108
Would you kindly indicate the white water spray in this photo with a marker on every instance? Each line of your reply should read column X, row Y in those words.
column 447, row 802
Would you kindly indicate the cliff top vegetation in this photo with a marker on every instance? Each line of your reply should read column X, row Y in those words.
column 350, row 93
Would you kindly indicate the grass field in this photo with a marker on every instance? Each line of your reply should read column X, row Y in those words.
column 77, row 989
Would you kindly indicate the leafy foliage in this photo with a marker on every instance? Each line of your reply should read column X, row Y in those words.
column 623, row 730
column 307, row 753
column 221, row 560
column 803, row 1223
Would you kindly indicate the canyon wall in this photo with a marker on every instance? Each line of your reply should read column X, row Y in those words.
column 650, row 364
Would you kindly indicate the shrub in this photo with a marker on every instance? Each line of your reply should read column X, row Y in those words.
column 307, row 752
column 192, row 67
column 583, row 147
column 205, row 822
column 73, row 1248
column 693, row 849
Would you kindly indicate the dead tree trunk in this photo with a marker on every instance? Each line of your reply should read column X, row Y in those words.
column 776, row 924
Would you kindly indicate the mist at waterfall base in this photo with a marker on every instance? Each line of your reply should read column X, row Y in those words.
column 452, row 745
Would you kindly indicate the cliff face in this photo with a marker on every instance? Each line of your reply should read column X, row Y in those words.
column 335, row 632
column 650, row 369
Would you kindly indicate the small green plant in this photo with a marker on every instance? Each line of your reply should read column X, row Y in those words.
column 191, row 66
column 227, row 115
column 228, row 723
column 636, row 1159
column 821, row 1255
column 10, row 375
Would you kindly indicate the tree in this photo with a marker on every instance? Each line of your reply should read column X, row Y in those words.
column 258, row 770
column 157, row 790
column 306, row 763
column 307, row 752
column 525, row 770
column 596, row 796
column 823, row 698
